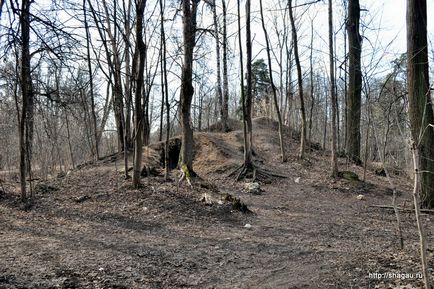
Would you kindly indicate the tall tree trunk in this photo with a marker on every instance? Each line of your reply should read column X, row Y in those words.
column 217, row 44
column 138, row 69
column 326, row 113
column 334, row 159
column 247, row 152
column 273, row 87
column 165, row 88
column 355, row 82
column 420, row 107
column 128, row 77
column 189, row 9
column 225, row 114
column 312, row 97
column 26, row 123
column 115, row 65
column 248, row 96
column 345, row 121
column 92, row 96
column 163, row 93
column 300, row 82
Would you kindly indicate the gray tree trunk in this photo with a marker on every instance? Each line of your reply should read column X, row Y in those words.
column 355, row 82
column 420, row 107
column 138, row 69
column 300, row 82
column 189, row 9
column 334, row 159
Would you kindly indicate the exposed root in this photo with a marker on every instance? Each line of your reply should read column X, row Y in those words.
column 254, row 173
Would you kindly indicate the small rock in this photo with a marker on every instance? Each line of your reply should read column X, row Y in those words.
column 297, row 180
column 81, row 199
column 248, row 226
column 360, row 197
column 253, row 188
column 101, row 269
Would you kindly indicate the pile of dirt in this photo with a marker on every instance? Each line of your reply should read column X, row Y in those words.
column 215, row 153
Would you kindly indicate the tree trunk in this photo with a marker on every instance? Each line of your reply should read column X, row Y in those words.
column 189, row 8
column 128, row 77
column 248, row 96
column 420, row 107
column 225, row 114
column 312, row 97
column 355, row 82
column 92, row 96
column 115, row 66
column 219, row 80
column 26, row 123
column 165, row 88
column 334, row 159
column 138, row 69
column 247, row 157
column 300, row 82
column 273, row 87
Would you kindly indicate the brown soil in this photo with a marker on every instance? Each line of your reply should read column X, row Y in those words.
column 91, row 229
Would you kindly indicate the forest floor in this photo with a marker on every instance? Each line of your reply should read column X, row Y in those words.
column 92, row 229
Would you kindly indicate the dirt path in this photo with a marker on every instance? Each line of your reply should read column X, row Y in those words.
column 305, row 233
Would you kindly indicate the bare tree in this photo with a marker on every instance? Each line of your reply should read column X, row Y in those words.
column 189, row 9
column 225, row 108
column 355, row 82
column 165, row 89
column 334, row 160
column 217, row 43
column 91, row 82
column 420, row 106
column 26, row 121
column 300, row 81
column 421, row 118
column 273, row 87
column 138, row 70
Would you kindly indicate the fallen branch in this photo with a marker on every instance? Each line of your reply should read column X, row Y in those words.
column 425, row 211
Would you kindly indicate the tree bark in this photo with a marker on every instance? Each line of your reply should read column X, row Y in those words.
column 334, row 158
column 420, row 107
column 225, row 114
column 128, row 77
column 300, row 82
column 355, row 82
column 312, row 96
column 165, row 88
column 189, row 9
column 138, row 69
column 248, row 95
column 217, row 44
column 26, row 123
column 92, row 96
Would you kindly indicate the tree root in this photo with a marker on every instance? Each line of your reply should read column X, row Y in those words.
column 253, row 172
